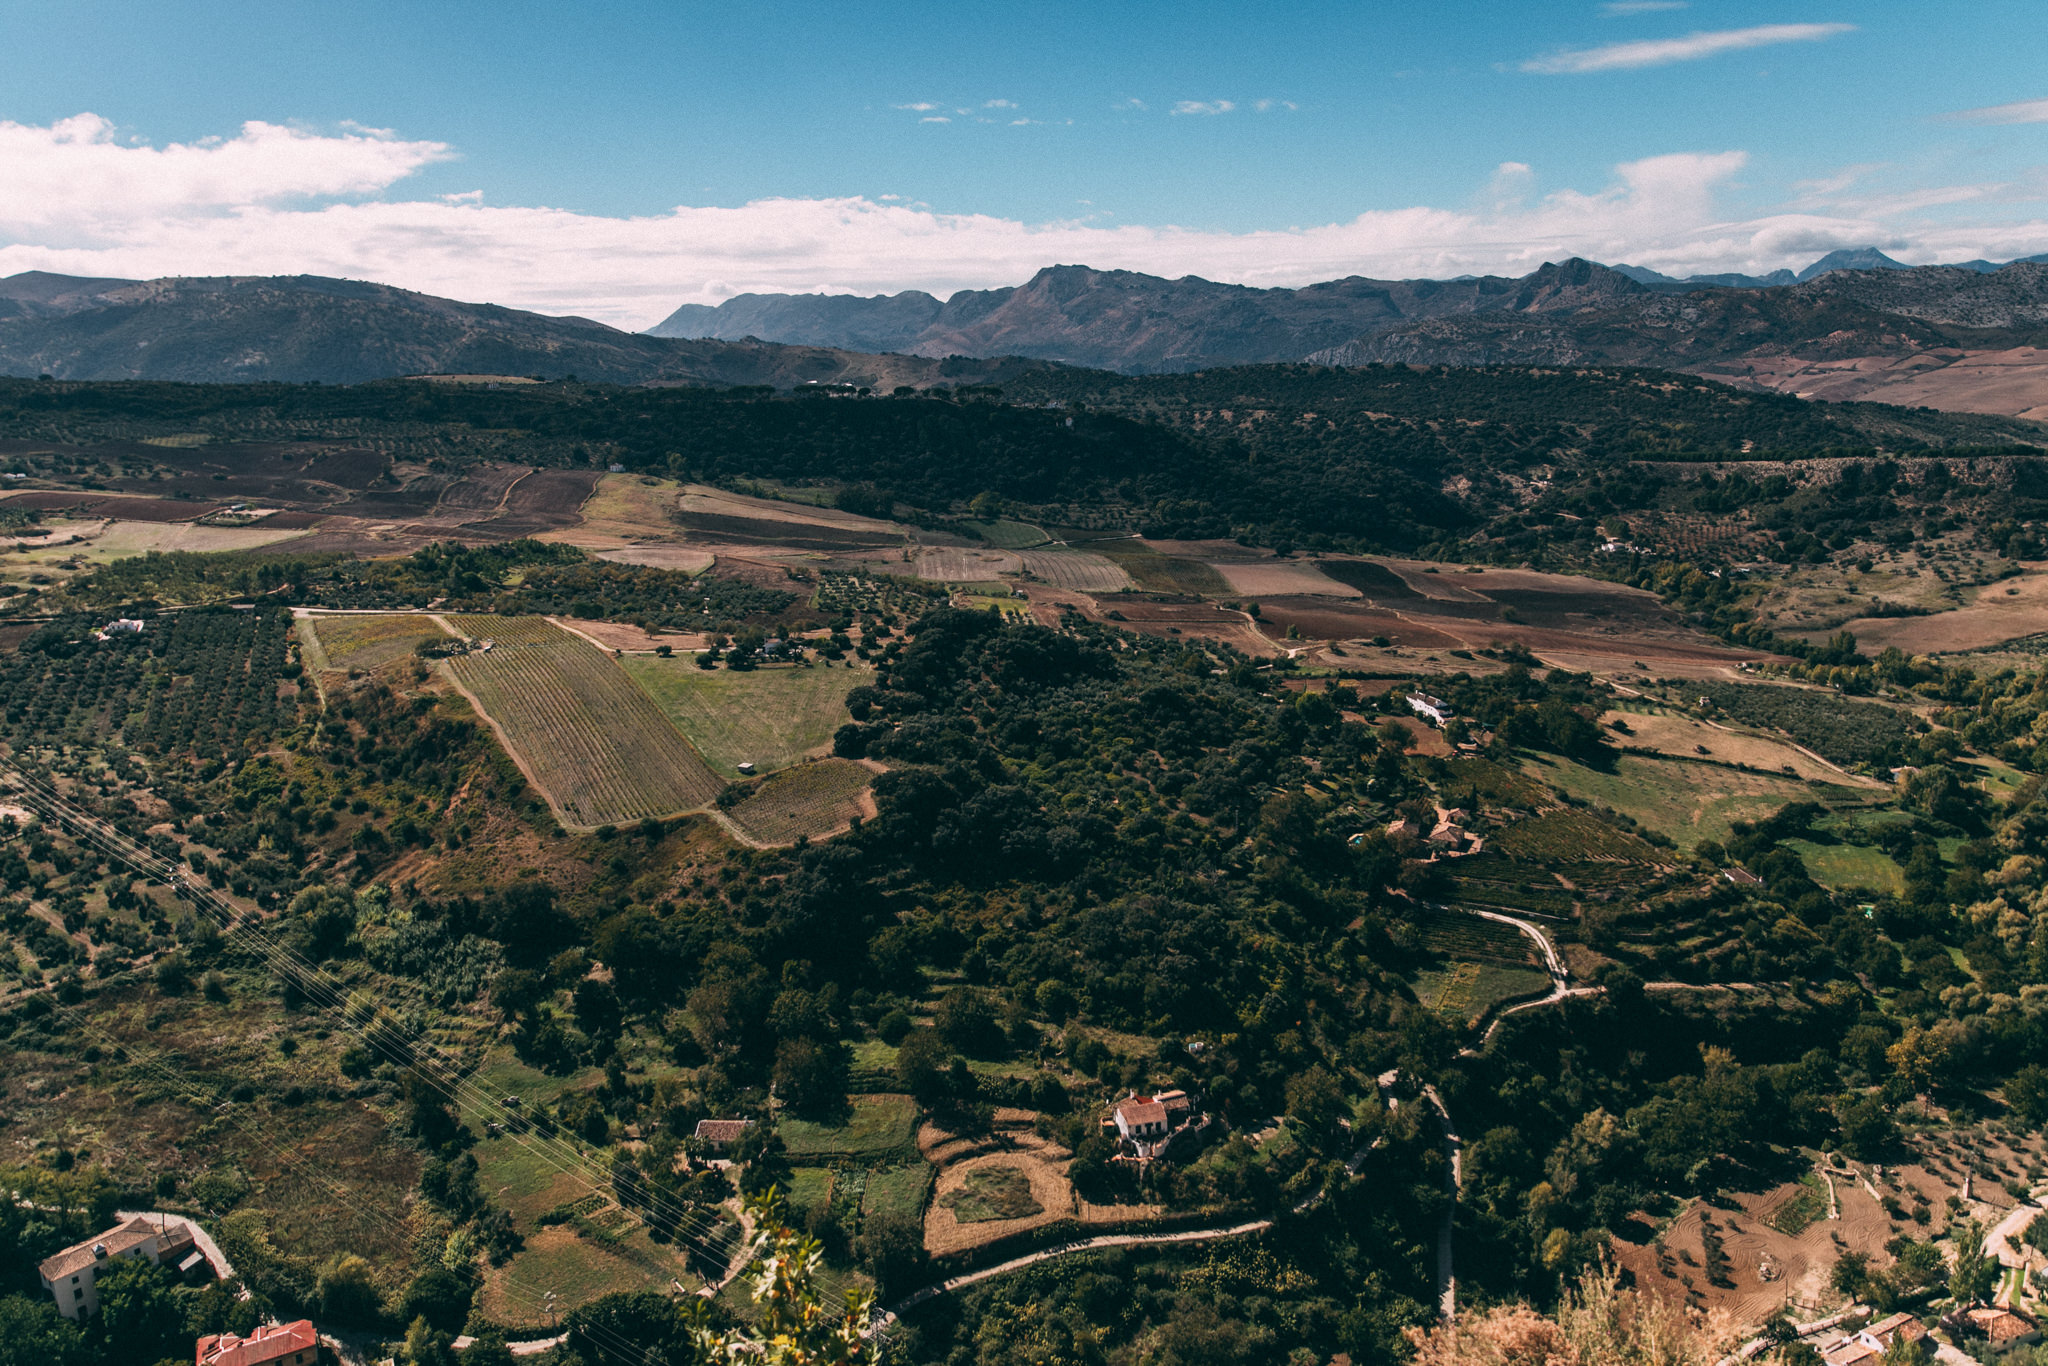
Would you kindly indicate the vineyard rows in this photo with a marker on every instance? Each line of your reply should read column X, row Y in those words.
column 592, row 740
column 1080, row 570
column 810, row 800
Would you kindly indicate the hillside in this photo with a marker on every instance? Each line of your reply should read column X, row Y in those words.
column 307, row 328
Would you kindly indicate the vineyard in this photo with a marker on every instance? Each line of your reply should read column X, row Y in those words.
column 369, row 642
column 588, row 737
column 810, row 800
column 194, row 682
column 1076, row 569
column 769, row 718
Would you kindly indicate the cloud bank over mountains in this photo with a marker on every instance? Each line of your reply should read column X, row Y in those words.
column 80, row 199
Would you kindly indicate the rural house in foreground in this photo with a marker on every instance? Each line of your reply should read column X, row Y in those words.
column 69, row 1275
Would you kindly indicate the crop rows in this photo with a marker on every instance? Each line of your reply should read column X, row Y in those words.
column 810, row 800
column 1076, row 569
column 592, row 740
column 1571, row 837
column 1470, row 937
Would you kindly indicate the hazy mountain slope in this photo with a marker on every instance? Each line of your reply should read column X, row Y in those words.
column 1122, row 320
column 299, row 328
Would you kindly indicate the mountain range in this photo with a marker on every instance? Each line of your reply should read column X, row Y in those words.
column 1854, row 324
column 212, row 329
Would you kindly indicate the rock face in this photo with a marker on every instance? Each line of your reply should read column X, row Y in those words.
column 305, row 327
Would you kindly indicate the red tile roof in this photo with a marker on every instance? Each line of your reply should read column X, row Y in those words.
column 270, row 1342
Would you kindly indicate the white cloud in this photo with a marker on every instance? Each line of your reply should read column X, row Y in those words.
column 1204, row 107
column 2024, row 111
column 1000, row 104
column 1266, row 106
column 935, row 118
column 104, row 208
column 74, row 173
column 1691, row 48
column 1621, row 9
column 921, row 107
column 1134, row 104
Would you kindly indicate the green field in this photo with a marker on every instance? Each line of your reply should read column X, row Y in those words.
column 898, row 1191
column 878, row 1127
column 1688, row 802
column 1844, row 866
column 1005, row 534
column 578, row 1271
column 770, row 718
column 366, row 642
column 810, row 1189
column 1157, row 573
column 1462, row 992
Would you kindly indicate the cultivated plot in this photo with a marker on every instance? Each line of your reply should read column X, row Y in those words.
column 810, row 800
column 770, row 718
column 1076, row 569
column 584, row 733
column 372, row 640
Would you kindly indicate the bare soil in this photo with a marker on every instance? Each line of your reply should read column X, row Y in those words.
column 1996, row 613
column 1013, row 1145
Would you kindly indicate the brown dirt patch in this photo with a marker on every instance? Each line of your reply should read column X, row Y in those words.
column 1999, row 612
column 619, row 635
column 153, row 509
column 702, row 498
column 1273, row 578
column 1668, row 733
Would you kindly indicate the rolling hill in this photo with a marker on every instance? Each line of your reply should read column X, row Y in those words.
column 303, row 328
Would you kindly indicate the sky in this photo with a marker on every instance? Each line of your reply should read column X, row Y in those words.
column 618, row 158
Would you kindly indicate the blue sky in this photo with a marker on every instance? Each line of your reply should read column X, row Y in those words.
column 540, row 154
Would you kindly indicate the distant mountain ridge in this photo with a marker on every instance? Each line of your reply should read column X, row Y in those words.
column 213, row 329
column 1143, row 324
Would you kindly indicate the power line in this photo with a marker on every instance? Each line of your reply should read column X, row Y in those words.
column 317, row 983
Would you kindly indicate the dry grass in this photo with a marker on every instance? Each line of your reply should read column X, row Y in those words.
column 1670, row 733
column 957, row 564
column 369, row 642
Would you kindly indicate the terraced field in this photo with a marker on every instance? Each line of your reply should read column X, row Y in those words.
column 811, row 800
column 591, row 740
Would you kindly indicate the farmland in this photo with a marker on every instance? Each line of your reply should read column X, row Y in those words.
column 770, row 717
column 878, row 1129
column 370, row 641
column 809, row 801
column 200, row 682
column 1079, row 570
column 1686, row 801
column 586, row 736
column 1154, row 572
column 1833, row 727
